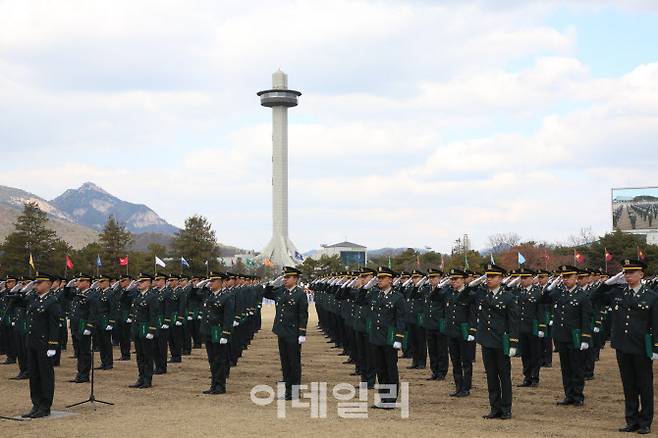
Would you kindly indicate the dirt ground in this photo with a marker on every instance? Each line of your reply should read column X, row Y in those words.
column 176, row 406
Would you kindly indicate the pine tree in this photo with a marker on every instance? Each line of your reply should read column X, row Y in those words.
column 196, row 243
column 114, row 240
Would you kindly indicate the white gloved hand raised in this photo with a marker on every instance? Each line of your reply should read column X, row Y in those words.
column 654, row 356
column 616, row 279
column 178, row 323
column 596, row 330
column 397, row 345
column 235, row 323
column 129, row 321
column 301, row 339
column 540, row 334
column 223, row 341
column 108, row 328
column 189, row 318
column 51, row 353
column 470, row 338
column 550, row 323
column 584, row 346
column 512, row 352
column 86, row 332
column 478, row 280
column 165, row 326
column 149, row 336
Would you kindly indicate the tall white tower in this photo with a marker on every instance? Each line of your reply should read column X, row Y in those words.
column 280, row 250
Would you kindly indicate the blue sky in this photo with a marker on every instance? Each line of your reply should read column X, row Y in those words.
column 419, row 121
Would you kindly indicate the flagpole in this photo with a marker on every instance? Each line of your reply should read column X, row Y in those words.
column 574, row 257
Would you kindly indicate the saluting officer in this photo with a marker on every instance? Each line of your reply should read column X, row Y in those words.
column 290, row 327
column 497, row 334
column 634, row 336
column 434, row 323
column 217, row 326
column 572, row 330
column 42, row 342
column 103, row 313
column 82, row 326
column 145, row 314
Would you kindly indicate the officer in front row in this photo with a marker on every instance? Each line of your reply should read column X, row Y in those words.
column 634, row 336
column 218, row 313
column 43, row 313
column 290, row 326
column 144, row 314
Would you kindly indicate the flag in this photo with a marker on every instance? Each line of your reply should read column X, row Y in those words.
column 389, row 262
column 640, row 254
column 417, row 261
column 443, row 264
column 31, row 262
column 267, row 262
column 123, row 261
column 206, row 263
column 183, row 262
column 159, row 262
column 69, row 263
column 578, row 257
column 493, row 262
column 521, row 258
column 608, row 256
column 298, row 256
column 466, row 266
column 99, row 263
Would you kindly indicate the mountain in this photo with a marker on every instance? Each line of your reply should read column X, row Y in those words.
column 90, row 205
column 11, row 206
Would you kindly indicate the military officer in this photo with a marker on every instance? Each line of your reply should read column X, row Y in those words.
column 290, row 327
column 103, row 313
column 82, row 326
column 6, row 319
column 416, row 335
column 145, row 314
column 217, row 326
column 42, row 342
column 546, row 349
column 572, row 330
column 434, row 323
column 497, row 334
column 634, row 336
column 177, row 306
column 124, row 323
column 532, row 326
column 163, row 292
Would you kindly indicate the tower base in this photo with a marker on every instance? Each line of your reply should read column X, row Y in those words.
column 282, row 252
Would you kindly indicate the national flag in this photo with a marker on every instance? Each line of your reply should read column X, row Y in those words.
column 99, row 263
column 608, row 256
column 123, row 261
column 640, row 254
column 299, row 256
column 443, row 264
column 389, row 262
column 521, row 258
column 206, row 263
column 578, row 257
column 184, row 262
column 417, row 261
column 267, row 262
column 31, row 262
column 159, row 262
column 69, row 263
column 491, row 259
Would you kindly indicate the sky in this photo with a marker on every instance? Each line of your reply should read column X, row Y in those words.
column 419, row 121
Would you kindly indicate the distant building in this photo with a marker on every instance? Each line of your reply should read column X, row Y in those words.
column 350, row 253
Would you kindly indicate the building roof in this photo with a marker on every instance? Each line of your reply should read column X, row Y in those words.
column 346, row 245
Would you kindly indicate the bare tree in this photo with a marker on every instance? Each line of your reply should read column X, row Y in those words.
column 585, row 236
column 500, row 242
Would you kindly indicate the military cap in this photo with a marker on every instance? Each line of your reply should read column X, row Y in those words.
column 83, row 276
column 522, row 272
column 455, row 272
column 543, row 273
column 160, row 276
column 469, row 272
column 494, row 270
column 173, row 276
column 383, row 271
column 417, row 273
column 11, row 277
column 431, row 272
column 566, row 270
column 217, row 276
column 231, row 275
column 183, row 277
column 44, row 276
column 144, row 277
column 125, row 277
column 367, row 271
column 634, row 265
column 290, row 271
column 405, row 274
column 583, row 272
column 102, row 277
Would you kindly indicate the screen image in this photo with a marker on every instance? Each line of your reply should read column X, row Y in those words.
column 635, row 208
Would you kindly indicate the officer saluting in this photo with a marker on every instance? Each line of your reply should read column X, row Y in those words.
column 145, row 314
column 290, row 326
column 634, row 336
column 42, row 341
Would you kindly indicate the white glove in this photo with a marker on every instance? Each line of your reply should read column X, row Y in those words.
column 584, row 346
column 514, row 282
column 178, row 323
column 301, row 339
column 550, row 323
column 397, row 345
column 540, row 334
column 654, row 356
column 555, row 282
column 13, row 324
column 470, row 338
column 596, row 329
column 86, row 332
column 199, row 317
column 189, row 318
column 165, row 326
column 616, row 279
column 129, row 321
column 478, row 280
column 51, row 353
column 108, row 328
column 223, row 341
column 235, row 323
column 149, row 336
column 512, row 351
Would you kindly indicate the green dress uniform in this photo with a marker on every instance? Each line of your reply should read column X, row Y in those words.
column 634, row 336
column 145, row 313
column 103, row 312
column 433, row 322
column 43, row 314
column 290, row 323
column 81, row 323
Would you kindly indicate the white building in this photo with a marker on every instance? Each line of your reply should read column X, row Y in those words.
column 350, row 253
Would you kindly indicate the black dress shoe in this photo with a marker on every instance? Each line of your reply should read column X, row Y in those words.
column 32, row 412
column 565, row 402
column 146, row 385
column 41, row 413
column 355, row 374
column 412, row 367
column 208, row 391
column 421, row 366
column 439, row 377
column 524, row 385
column 491, row 415
column 79, row 380
column 137, row 384
column 629, row 428
column 159, row 372
column 534, row 384
column 463, row 393
column 578, row 403
column 506, row 416
column 432, row 378
column 644, row 430
column 177, row 360
column 20, row 376
column 9, row 362
column 454, row 394
column 218, row 391
column 124, row 358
